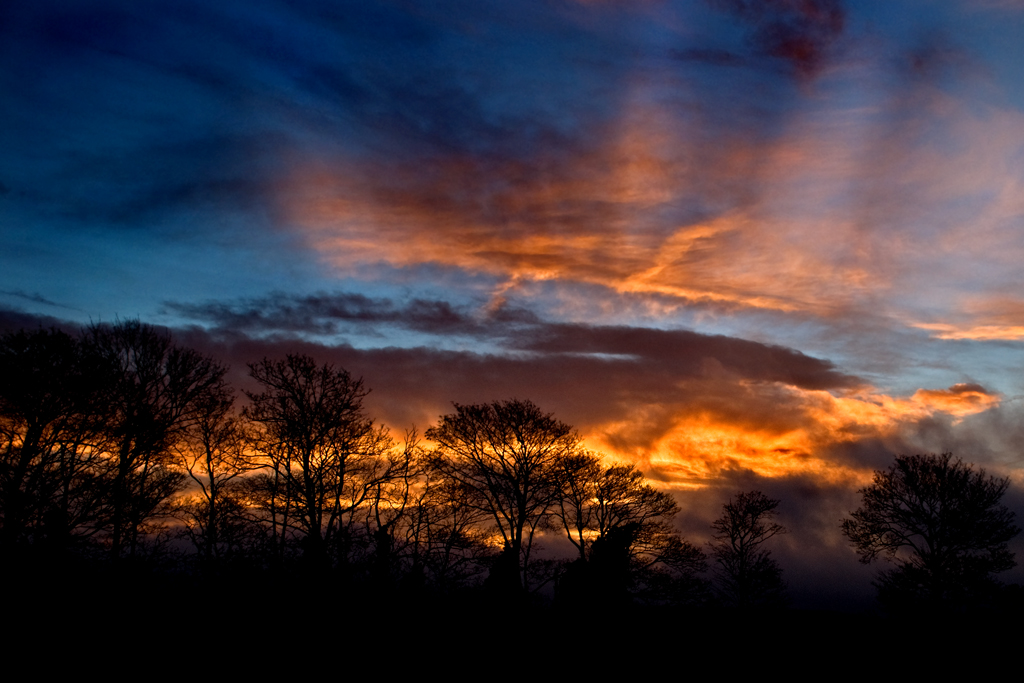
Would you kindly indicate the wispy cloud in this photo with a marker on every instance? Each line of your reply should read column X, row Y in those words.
column 34, row 297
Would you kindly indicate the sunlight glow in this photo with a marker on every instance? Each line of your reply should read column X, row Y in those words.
column 701, row 448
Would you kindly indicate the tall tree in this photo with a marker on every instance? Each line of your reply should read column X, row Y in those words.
column 149, row 394
column 747, row 574
column 505, row 455
column 326, row 456
column 942, row 525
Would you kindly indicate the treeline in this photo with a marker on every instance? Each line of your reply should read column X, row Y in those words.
column 125, row 450
column 123, row 447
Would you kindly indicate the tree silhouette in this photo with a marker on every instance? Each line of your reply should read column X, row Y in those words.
column 747, row 574
column 388, row 509
column 577, row 511
column 941, row 524
column 445, row 535
column 50, row 479
column 505, row 455
column 622, row 529
column 326, row 457
column 149, row 393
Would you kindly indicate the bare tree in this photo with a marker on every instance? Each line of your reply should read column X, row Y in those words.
column 326, row 457
column 747, row 574
column 622, row 528
column 597, row 499
column 578, row 506
column 941, row 523
column 504, row 455
column 387, row 510
column 149, row 394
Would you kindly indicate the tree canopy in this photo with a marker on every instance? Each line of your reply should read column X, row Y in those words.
column 942, row 525
column 506, row 454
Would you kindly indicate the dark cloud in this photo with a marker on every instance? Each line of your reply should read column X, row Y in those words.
column 413, row 386
column 798, row 31
column 34, row 297
column 674, row 353
column 676, row 349
column 993, row 439
column 328, row 313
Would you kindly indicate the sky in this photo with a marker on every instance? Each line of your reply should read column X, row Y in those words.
column 746, row 244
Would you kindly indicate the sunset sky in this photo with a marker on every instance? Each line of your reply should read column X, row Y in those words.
column 744, row 243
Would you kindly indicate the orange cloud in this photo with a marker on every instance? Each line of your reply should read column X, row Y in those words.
column 958, row 400
column 702, row 447
column 976, row 332
column 834, row 213
column 596, row 216
column 990, row 318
